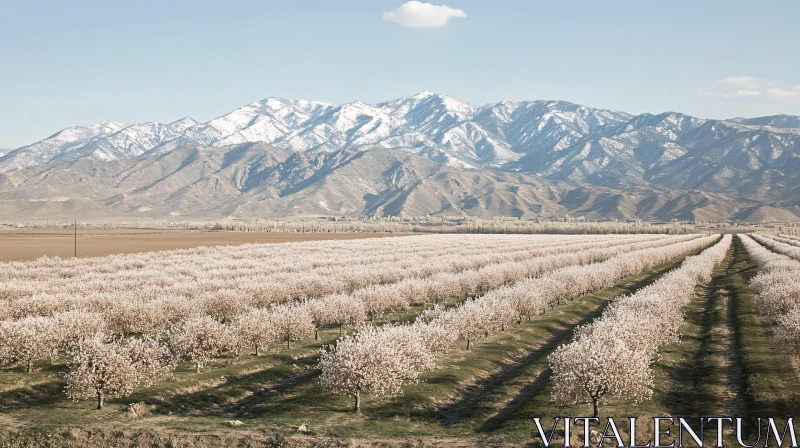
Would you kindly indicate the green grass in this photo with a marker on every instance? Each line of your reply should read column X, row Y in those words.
column 724, row 363
column 769, row 378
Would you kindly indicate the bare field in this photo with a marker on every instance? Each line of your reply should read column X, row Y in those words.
column 30, row 245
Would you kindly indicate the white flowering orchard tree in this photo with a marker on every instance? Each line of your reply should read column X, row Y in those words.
column 437, row 337
column 787, row 333
column 77, row 325
column 151, row 359
column 469, row 321
column 114, row 369
column 593, row 369
column 777, row 286
column 222, row 304
column 28, row 340
column 320, row 314
column 254, row 330
column 344, row 309
column 292, row 322
column 367, row 363
column 198, row 340
column 413, row 346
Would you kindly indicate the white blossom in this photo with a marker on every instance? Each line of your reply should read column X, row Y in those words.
column 114, row 369
column 612, row 355
column 28, row 340
column 374, row 362
column 292, row 322
column 198, row 340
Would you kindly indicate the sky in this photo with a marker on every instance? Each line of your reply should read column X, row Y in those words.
column 65, row 63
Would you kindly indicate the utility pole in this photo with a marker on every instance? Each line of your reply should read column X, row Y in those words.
column 76, row 239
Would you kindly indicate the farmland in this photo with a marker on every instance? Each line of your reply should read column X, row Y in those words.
column 451, row 340
column 30, row 244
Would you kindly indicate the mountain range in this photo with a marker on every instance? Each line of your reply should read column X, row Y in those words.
column 418, row 155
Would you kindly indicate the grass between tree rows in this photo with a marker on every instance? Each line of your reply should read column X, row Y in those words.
column 724, row 365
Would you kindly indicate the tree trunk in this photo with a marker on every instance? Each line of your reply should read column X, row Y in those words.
column 594, row 406
column 288, row 342
column 467, row 343
column 340, row 330
column 258, row 353
column 357, row 406
column 29, row 366
column 197, row 367
column 99, row 400
column 316, row 334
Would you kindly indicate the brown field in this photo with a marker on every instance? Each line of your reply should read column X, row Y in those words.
column 30, row 245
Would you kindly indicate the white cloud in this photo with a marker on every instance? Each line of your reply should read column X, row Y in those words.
column 749, row 87
column 783, row 93
column 416, row 14
column 744, row 82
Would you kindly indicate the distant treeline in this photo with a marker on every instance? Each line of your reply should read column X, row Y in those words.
column 428, row 225
column 488, row 226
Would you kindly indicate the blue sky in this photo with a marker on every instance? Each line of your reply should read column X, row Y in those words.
column 65, row 63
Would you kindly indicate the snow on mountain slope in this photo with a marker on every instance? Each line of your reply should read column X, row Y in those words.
column 345, row 126
column 57, row 145
column 262, row 121
column 533, row 126
column 429, row 112
column 129, row 142
column 104, row 141
column 555, row 139
column 674, row 150
column 775, row 121
column 440, row 126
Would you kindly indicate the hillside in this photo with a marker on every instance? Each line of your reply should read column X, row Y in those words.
column 252, row 180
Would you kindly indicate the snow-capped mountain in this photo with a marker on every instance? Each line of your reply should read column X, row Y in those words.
column 105, row 141
column 754, row 158
column 57, row 145
column 777, row 121
column 673, row 150
column 437, row 126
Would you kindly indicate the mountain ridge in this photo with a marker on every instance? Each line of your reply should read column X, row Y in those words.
column 722, row 169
